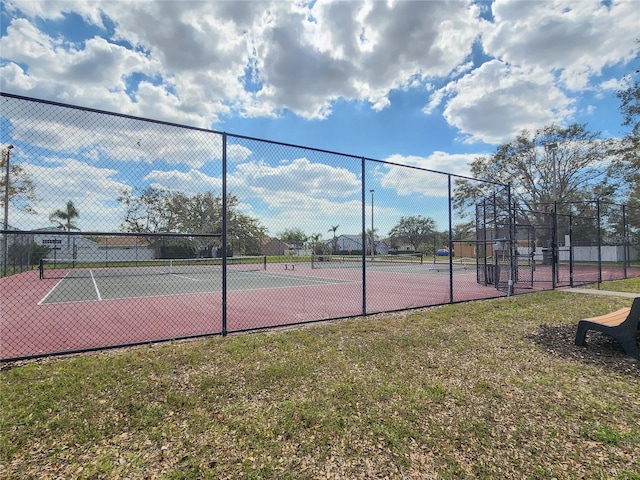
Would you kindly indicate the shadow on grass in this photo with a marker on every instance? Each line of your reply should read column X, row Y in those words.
column 599, row 349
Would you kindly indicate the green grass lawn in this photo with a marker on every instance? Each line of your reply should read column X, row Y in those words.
column 489, row 389
column 630, row 285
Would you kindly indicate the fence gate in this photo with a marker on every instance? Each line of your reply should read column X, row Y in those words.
column 525, row 254
column 495, row 257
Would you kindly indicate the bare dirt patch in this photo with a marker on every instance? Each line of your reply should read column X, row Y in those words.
column 599, row 349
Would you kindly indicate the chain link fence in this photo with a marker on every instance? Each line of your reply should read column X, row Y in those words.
column 560, row 245
column 122, row 231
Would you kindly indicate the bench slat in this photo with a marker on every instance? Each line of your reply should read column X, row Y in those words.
column 613, row 318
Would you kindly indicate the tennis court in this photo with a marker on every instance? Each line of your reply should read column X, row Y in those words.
column 104, row 284
column 77, row 309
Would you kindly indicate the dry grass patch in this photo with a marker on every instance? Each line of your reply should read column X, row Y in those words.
column 489, row 389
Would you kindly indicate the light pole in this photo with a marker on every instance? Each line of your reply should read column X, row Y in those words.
column 6, row 214
column 372, row 237
column 553, row 147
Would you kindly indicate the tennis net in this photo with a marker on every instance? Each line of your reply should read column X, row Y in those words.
column 69, row 268
column 355, row 261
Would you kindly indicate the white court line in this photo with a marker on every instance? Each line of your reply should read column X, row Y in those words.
column 215, row 292
column 185, row 277
column 95, row 285
column 51, row 291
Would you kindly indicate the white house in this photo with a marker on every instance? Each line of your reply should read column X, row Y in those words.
column 353, row 243
column 94, row 249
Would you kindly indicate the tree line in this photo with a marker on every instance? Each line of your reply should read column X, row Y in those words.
column 417, row 231
column 158, row 211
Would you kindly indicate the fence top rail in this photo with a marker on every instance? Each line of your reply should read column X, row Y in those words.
column 592, row 201
column 109, row 234
column 245, row 137
column 106, row 112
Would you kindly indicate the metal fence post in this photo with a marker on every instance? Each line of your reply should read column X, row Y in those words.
column 496, row 263
column 450, row 240
column 364, row 237
column 224, row 234
column 513, row 244
column 571, row 266
column 554, row 246
column 625, row 242
column 598, row 220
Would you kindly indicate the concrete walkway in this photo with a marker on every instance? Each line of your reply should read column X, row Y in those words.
column 594, row 291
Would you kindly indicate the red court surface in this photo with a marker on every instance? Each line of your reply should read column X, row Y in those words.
column 30, row 327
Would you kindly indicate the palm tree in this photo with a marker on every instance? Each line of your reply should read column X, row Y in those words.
column 315, row 238
column 334, row 242
column 64, row 218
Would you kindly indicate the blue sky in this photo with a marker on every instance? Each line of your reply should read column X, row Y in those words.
column 424, row 83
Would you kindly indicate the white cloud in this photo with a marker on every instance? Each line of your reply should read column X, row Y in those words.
column 405, row 181
column 299, row 175
column 93, row 73
column 297, row 192
column 456, row 164
column 197, row 63
column 303, row 56
column 12, row 74
column 93, row 191
column 496, row 101
column 574, row 38
column 361, row 51
column 312, row 215
column 435, row 100
column 612, row 85
column 543, row 53
column 55, row 9
column 93, row 135
column 190, row 183
column 308, row 195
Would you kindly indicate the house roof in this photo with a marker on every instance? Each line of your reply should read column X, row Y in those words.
column 275, row 240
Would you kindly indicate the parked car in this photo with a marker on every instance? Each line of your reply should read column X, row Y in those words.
column 442, row 252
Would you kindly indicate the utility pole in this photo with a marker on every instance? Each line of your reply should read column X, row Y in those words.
column 5, row 250
column 553, row 147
